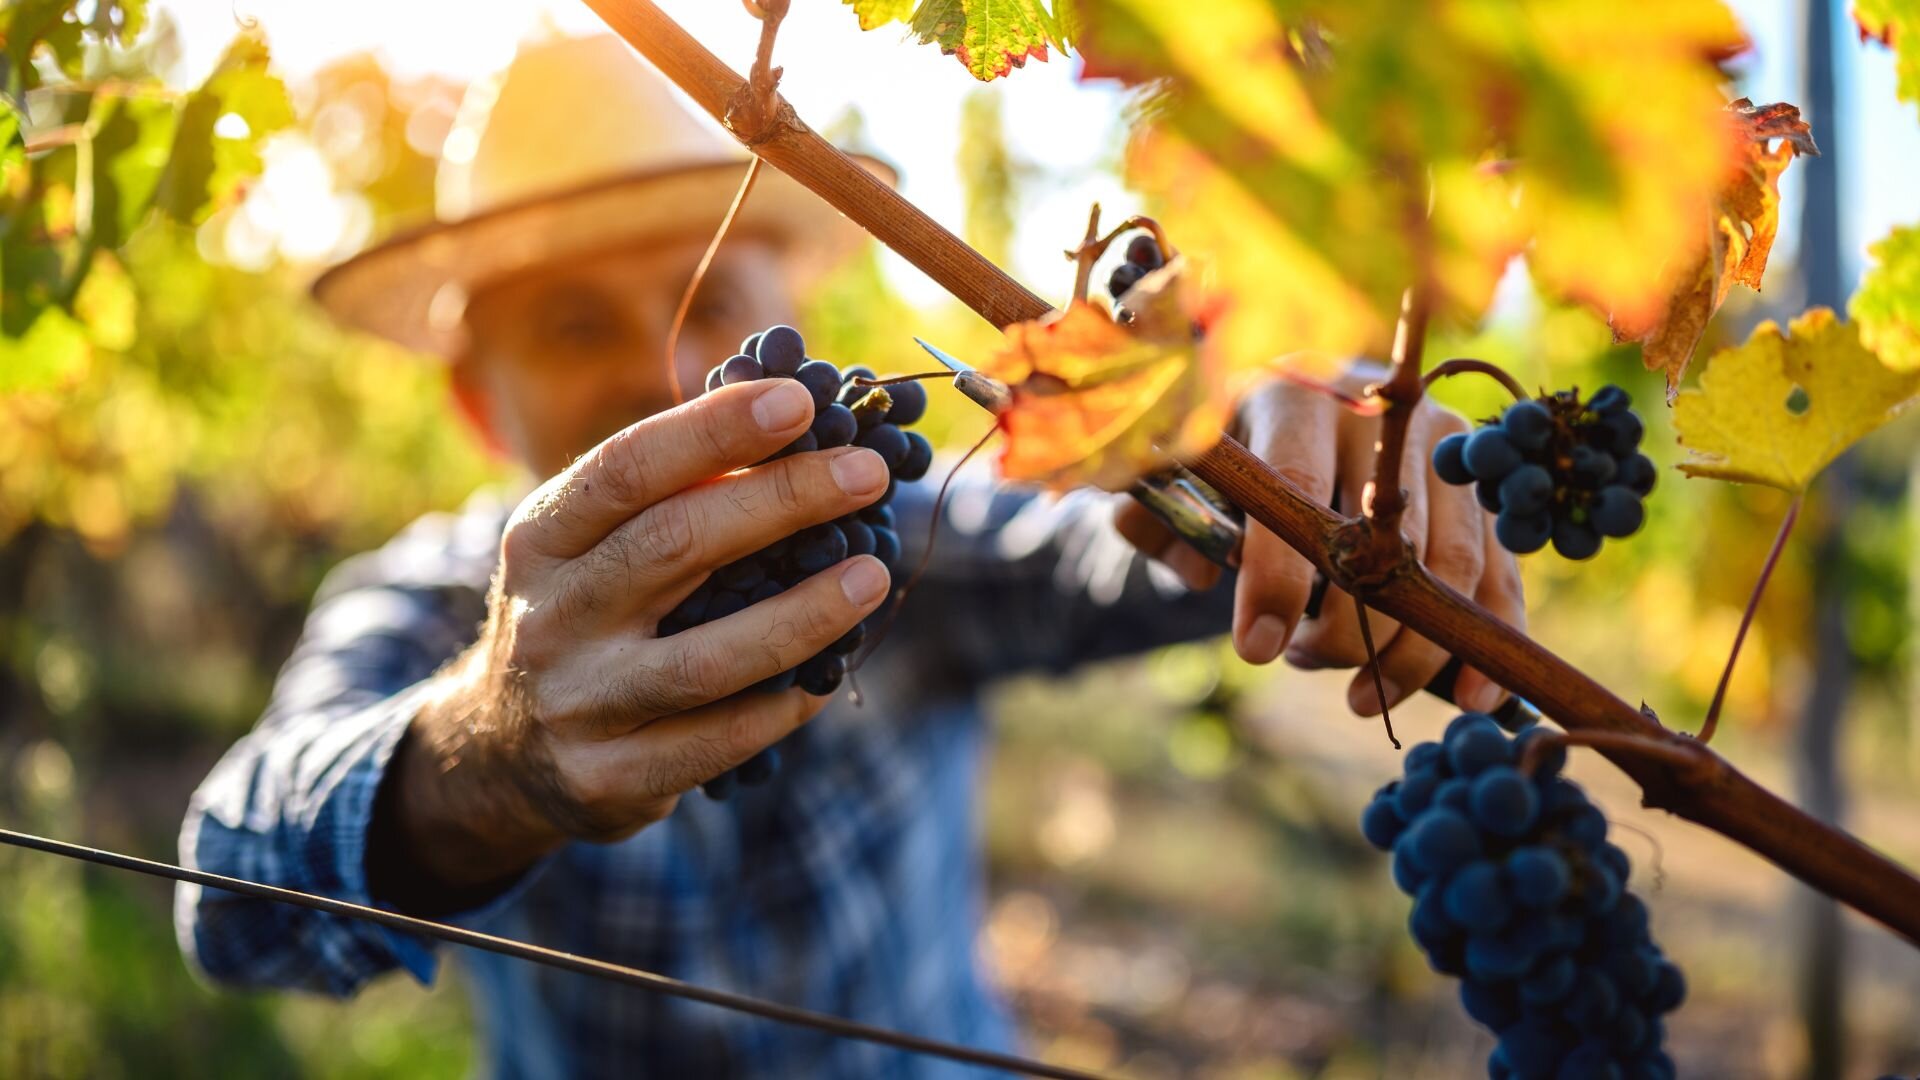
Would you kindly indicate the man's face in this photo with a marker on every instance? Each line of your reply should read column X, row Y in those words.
column 564, row 357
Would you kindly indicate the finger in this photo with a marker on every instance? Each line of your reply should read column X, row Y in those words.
column 1333, row 639
column 1146, row 531
column 617, row 786
column 651, row 560
column 704, row 664
column 1500, row 592
column 1455, row 554
column 713, row 434
column 688, row 749
column 1293, row 431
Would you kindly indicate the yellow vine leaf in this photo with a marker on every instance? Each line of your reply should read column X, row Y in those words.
column 1778, row 408
column 1887, row 304
column 1318, row 155
column 1895, row 24
column 1096, row 403
column 1734, row 247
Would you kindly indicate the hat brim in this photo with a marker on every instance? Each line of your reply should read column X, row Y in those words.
column 411, row 288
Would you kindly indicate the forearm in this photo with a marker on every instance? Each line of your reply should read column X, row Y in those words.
column 452, row 825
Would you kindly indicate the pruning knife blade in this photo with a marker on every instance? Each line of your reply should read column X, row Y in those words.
column 1199, row 514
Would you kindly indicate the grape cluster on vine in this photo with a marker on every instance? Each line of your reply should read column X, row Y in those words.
column 845, row 413
column 1556, row 469
column 1143, row 257
column 1518, row 893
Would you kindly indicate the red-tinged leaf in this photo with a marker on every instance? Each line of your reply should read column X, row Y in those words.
column 989, row 37
column 1739, row 237
column 1095, row 404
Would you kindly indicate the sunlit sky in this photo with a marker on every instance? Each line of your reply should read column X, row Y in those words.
column 1066, row 133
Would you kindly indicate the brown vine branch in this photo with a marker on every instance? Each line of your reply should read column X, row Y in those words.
column 1684, row 754
column 1465, row 366
column 1402, row 393
column 1712, row 722
column 1823, row 856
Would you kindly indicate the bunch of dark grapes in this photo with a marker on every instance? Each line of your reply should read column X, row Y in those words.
column 1555, row 468
column 845, row 413
column 1143, row 257
column 1518, row 893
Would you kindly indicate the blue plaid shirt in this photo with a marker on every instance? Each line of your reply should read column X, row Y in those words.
column 849, row 885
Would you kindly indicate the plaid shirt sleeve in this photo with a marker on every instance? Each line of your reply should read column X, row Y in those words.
column 290, row 803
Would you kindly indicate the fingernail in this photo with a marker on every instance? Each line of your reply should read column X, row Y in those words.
column 1365, row 698
column 782, row 405
column 1264, row 640
column 864, row 582
column 859, row 472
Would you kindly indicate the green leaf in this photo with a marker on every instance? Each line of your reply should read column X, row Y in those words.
column 989, row 37
column 1777, row 409
column 874, row 14
column 52, row 349
column 1887, row 305
column 209, row 169
column 1895, row 24
column 132, row 145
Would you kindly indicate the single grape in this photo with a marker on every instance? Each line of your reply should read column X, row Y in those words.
column 751, row 346
column 1529, row 424
column 778, row 681
column 1575, row 541
column 781, row 350
column 1549, row 982
column 1637, row 472
column 1538, row 875
column 1619, row 432
column 1144, row 251
column 1616, row 511
column 834, row 426
column 821, row 379
column 857, row 372
column 1527, row 491
column 887, row 441
column 879, row 515
column 909, row 403
column 722, row 786
column 1590, row 467
column 859, row 535
column 714, row 377
column 1475, row 898
column 918, row 460
column 1609, row 400
column 1381, row 824
column 1448, row 463
column 739, row 369
column 1124, row 277
column 1499, row 956
column 821, row 675
column 1456, row 795
column 817, row 548
column 886, row 545
column 1523, row 535
column 1504, row 802
column 1487, row 494
column 1549, row 762
column 1477, row 748
column 804, row 443
column 1442, row 841
column 1490, row 455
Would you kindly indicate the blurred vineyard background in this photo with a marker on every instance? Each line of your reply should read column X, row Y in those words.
column 186, row 447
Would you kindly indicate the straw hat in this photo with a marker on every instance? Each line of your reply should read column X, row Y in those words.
column 577, row 146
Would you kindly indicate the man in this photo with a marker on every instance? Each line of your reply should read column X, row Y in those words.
column 480, row 725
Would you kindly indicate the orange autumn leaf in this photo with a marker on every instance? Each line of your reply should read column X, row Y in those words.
column 1095, row 403
column 1741, row 225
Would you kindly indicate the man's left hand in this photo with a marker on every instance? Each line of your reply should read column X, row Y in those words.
column 1323, row 447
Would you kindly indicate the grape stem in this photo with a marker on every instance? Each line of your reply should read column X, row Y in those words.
column 1465, row 365
column 1373, row 665
column 1401, row 393
column 1823, row 855
column 699, row 275
column 1685, row 754
column 1712, row 722
column 862, row 380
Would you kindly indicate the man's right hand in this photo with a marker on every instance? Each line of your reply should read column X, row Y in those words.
column 570, row 718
